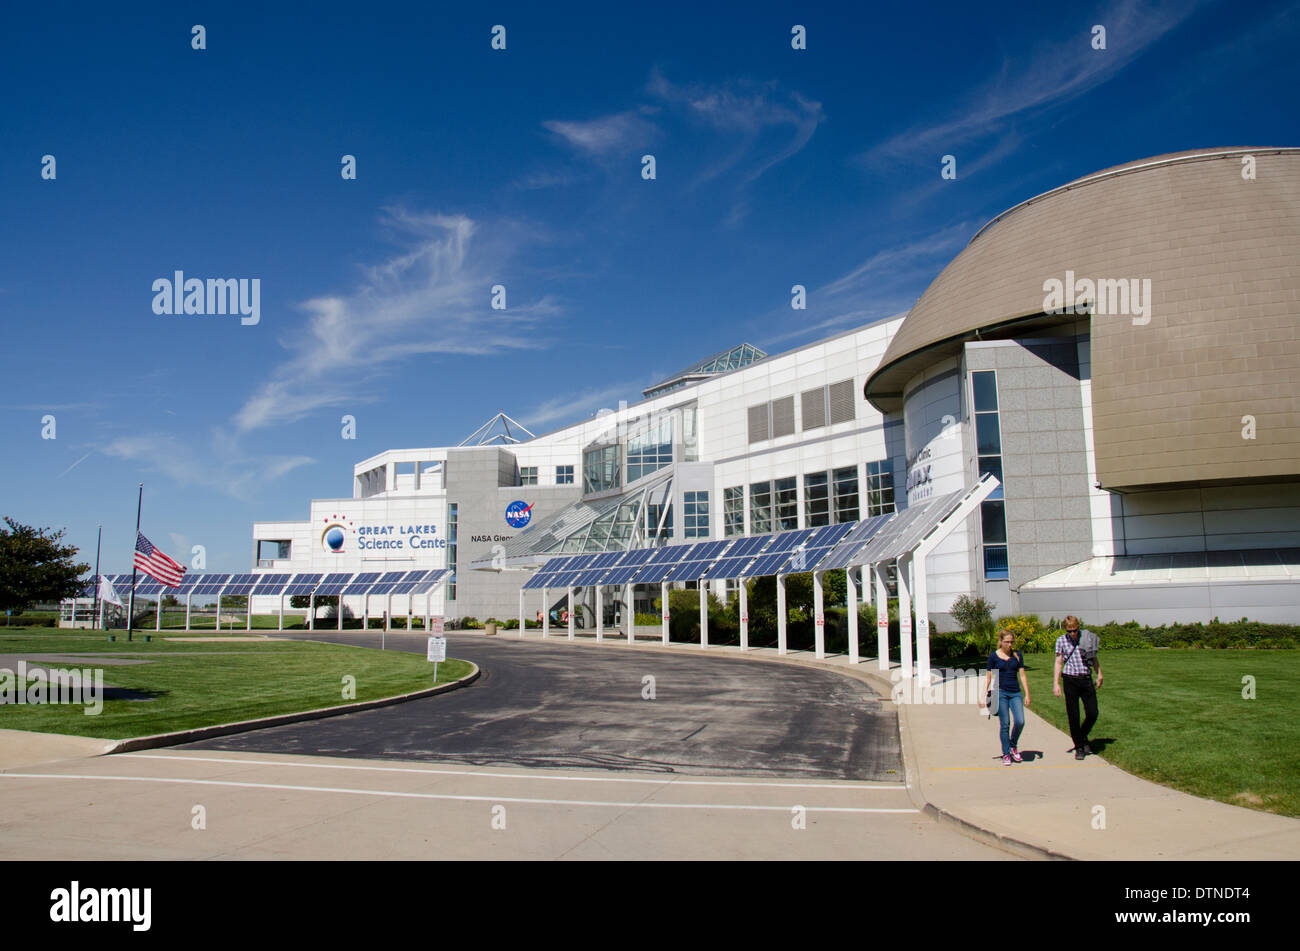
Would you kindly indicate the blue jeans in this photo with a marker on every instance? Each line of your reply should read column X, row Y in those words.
column 1011, row 706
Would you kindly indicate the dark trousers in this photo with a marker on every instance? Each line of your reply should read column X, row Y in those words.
column 1076, row 689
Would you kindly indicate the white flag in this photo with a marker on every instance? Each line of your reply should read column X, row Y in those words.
column 106, row 592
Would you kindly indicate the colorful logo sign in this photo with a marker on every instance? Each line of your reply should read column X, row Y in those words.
column 518, row 514
column 334, row 535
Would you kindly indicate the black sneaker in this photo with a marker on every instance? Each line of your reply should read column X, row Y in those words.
column 1078, row 753
column 1087, row 750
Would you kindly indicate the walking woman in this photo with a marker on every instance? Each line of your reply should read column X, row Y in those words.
column 1010, row 668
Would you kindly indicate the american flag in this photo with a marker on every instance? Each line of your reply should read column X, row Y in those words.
column 155, row 564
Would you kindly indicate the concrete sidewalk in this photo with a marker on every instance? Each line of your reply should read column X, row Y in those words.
column 1052, row 807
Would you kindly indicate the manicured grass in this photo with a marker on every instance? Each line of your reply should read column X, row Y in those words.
column 1178, row 717
column 203, row 684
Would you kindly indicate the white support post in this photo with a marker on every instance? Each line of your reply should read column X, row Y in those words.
column 388, row 613
column 600, row 618
column 663, row 608
column 218, row 612
column 100, row 619
column 921, row 596
column 881, row 571
column 904, row 564
column 744, row 615
column 365, row 612
column 340, row 610
column 428, row 595
column 522, row 626
column 780, row 614
column 157, row 621
column 851, row 586
column 819, row 618
column 704, row 614
column 187, row 613
column 629, row 613
column 410, row 610
column 572, row 619
column 311, row 611
column 248, row 617
column 546, row 616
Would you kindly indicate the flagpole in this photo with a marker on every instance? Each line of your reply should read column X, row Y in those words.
column 94, row 608
column 130, row 611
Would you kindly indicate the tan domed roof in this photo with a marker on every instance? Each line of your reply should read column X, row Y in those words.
column 1222, row 337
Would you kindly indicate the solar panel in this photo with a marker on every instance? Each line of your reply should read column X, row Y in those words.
column 148, row 586
column 211, row 584
column 431, row 580
column 544, row 574
column 362, row 582
column 241, row 584
column 697, row 558
column 385, row 584
column 841, row 556
column 906, row 529
column 272, row 584
column 818, row 546
column 334, row 582
column 625, row 569
column 303, row 583
column 776, row 555
column 656, row 570
column 565, row 578
column 188, row 581
column 738, row 556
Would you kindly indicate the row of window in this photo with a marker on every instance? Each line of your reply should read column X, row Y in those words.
column 823, row 406
column 563, row 475
column 988, row 446
column 829, row 498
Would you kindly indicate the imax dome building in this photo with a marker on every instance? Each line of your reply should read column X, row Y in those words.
column 1123, row 353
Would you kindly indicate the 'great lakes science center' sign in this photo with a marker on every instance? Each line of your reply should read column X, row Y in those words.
column 383, row 537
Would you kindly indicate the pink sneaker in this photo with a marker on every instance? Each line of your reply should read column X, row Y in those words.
column 1015, row 755
column 1006, row 760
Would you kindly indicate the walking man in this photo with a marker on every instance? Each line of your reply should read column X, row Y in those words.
column 1076, row 656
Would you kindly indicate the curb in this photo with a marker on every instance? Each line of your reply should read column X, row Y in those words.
column 244, row 726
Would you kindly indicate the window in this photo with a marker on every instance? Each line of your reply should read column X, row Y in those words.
column 695, row 513
column 783, row 416
column 452, row 520
column 816, row 500
column 988, row 442
column 650, row 450
column 600, row 469
column 846, row 494
column 880, row 488
column 813, row 404
column 760, row 508
column 527, row 475
column 786, row 494
column 564, row 475
column 733, row 511
column 840, row 400
column 759, row 425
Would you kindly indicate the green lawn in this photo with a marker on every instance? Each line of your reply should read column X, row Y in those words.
column 1177, row 717
column 203, row 684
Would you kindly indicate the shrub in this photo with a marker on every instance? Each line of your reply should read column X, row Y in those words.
column 470, row 623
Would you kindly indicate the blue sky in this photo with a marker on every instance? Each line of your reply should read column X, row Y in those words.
column 519, row 167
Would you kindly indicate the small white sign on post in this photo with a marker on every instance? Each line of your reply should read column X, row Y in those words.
column 436, row 628
column 437, row 651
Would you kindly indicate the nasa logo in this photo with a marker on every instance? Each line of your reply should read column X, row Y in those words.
column 518, row 514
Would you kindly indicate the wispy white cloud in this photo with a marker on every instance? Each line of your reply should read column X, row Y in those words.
column 885, row 284
column 220, row 466
column 75, row 464
column 574, row 407
column 606, row 134
column 430, row 298
column 1053, row 73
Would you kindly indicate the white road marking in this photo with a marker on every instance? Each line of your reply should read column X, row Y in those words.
column 830, row 784
column 416, row 795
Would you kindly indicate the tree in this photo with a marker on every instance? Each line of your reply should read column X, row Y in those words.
column 35, row 567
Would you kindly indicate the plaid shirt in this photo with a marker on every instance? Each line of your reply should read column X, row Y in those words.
column 1074, row 666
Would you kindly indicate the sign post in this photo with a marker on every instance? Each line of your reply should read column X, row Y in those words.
column 437, row 650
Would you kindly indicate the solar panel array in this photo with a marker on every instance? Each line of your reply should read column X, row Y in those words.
column 826, row 548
